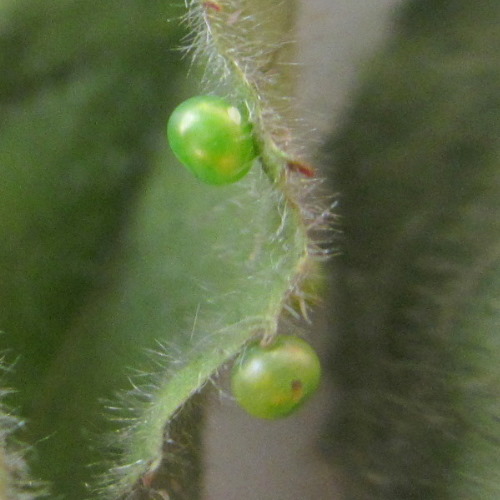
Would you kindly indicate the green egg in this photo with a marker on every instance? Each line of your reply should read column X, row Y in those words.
column 272, row 381
column 212, row 138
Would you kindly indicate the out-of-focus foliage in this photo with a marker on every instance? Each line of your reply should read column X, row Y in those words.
column 86, row 88
column 124, row 282
column 418, row 163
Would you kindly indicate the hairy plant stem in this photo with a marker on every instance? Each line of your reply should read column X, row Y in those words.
column 252, row 91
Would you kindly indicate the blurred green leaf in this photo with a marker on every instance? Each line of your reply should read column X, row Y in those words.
column 125, row 283
column 417, row 357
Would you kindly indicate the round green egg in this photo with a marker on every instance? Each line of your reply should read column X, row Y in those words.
column 212, row 138
column 272, row 381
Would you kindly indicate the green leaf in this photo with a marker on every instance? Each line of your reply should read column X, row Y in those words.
column 192, row 288
column 126, row 283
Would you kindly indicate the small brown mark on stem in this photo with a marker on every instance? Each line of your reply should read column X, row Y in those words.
column 213, row 6
column 150, row 475
column 301, row 168
column 148, row 478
